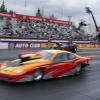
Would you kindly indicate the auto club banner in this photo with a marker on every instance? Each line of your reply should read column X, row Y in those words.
column 14, row 45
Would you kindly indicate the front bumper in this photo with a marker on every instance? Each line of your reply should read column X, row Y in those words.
column 15, row 78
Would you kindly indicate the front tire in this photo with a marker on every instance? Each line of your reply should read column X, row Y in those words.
column 78, row 69
column 37, row 75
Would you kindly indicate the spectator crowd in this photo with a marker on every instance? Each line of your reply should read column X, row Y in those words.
column 38, row 29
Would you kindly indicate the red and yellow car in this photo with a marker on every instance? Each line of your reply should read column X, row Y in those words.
column 44, row 64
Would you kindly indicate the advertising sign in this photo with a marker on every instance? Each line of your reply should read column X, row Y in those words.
column 24, row 45
column 21, row 16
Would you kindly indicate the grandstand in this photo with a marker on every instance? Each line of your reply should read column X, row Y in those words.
column 32, row 27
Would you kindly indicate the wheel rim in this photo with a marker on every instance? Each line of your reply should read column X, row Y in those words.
column 78, row 68
column 75, row 49
column 37, row 75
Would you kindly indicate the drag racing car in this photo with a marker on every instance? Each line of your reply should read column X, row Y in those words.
column 72, row 47
column 44, row 64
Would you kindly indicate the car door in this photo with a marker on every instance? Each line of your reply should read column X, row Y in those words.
column 61, row 65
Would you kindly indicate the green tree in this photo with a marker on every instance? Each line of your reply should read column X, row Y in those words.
column 52, row 16
column 2, row 8
column 38, row 14
column 11, row 11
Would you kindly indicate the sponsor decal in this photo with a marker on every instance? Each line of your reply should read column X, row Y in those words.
column 5, row 14
column 24, row 45
column 62, row 22
column 24, row 17
column 33, row 18
column 44, row 19
column 11, row 45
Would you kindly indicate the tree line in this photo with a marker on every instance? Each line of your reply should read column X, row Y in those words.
column 4, row 9
column 39, row 13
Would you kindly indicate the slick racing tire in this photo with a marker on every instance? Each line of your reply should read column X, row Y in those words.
column 78, row 69
column 37, row 75
column 55, row 48
column 74, row 49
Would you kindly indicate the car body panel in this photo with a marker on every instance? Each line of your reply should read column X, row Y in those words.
column 50, row 67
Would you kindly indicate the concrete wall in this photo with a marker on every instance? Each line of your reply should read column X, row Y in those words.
column 3, row 45
column 44, row 46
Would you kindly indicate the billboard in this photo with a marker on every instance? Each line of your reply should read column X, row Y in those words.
column 17, row 45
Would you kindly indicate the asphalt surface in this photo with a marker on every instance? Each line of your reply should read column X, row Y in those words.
column 80, row 87
column 13, row 54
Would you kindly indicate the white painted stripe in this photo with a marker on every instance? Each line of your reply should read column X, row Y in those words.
column 23, row 40
column 42, row 41
column 39, row 40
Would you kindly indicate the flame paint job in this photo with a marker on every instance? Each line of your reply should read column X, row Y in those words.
column 50, row 69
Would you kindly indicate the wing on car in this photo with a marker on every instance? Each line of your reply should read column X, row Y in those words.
column 26, row 56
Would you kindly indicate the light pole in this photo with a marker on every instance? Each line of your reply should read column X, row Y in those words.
column 69, row 19
column 90, row 12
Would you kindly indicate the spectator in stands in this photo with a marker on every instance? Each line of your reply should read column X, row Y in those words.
column 11, row 32
column 23, row 30
column 18, row 33
column 43, row 29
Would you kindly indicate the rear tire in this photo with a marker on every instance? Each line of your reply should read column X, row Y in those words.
column 37, row 75
column 55, row 48
column 74, row 49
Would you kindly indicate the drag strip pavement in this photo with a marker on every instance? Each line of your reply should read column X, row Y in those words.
column 80, row 87
column 12, row 54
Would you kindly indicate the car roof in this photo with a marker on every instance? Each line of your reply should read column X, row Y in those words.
column 59, row 51
column 55, row 51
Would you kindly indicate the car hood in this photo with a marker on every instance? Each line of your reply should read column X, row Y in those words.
column 36, row 62
column 25, row 66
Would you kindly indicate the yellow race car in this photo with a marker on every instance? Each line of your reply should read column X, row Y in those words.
column 45, row 64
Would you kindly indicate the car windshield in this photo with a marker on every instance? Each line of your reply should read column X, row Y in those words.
column 13, row 63
column 45, row 55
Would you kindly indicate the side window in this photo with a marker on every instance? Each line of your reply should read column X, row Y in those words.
column 71, row 56
column 61, row 57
